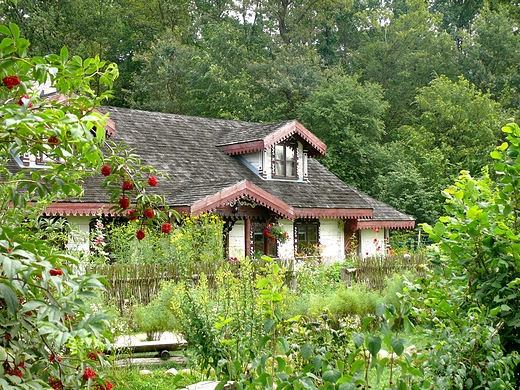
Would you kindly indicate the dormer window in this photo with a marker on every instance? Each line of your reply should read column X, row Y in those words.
column 285, row 160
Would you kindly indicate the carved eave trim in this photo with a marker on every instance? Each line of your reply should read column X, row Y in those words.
column 409, row 224
column 314, row 146
column 79, row 209
column 332, row 213
column 238, row 191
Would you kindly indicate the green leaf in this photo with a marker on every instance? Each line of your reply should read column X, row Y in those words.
column 374, row 345
column 10, row 298
column 268, row 325
column 331, row 376
column 307, row 351
column 397, row 345
column 347, row 386
column 359, row 339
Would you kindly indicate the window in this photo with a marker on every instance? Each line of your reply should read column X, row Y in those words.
column 285, row 160
column 262, row 245
column 307, row 238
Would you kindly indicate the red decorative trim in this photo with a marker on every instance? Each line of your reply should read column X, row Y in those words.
column 332, row 213
column 238, row 191
column 79, row 209
column 294, row 127
column 242, row 148
column 386, row 224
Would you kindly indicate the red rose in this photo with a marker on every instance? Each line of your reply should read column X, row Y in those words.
column 166, row 228
column 148, row 213
column 56, row 272
column 106, row 170
column 152, row 181
column 24, row 99
column 140, row 234
column 53, row 140
column 89, row 374
column 124, row 202
column 11, row 81
column 132, row 215
column 127, row 185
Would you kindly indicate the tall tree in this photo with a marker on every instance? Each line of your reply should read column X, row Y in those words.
column 491, row 55
column 347, row 116
column 402, row 54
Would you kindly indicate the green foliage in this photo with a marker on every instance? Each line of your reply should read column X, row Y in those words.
column 476, row 257
column 157, row 317
column 196, row 239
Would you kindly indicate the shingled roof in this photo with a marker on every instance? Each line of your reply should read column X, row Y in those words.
column 201, row 156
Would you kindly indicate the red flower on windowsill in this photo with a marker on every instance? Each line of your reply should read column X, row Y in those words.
column 275, row 232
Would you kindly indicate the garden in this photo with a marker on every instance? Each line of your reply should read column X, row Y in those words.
column 449, row 323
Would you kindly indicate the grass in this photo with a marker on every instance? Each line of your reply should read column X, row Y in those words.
column 130, row 378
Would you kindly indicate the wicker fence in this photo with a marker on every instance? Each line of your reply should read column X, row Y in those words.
column 374, row 271
column 141, row 282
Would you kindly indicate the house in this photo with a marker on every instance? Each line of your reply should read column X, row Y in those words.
column 252, row 175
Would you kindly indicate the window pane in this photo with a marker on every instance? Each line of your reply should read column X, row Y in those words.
column 280, row 168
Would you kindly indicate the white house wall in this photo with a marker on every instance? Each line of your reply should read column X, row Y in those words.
column 331, row 240
column 80, row 239
column 372, row 242
column 237, row 244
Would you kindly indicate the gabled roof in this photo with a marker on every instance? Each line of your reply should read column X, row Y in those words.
column 200, row 156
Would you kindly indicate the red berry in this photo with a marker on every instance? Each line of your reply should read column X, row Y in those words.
column 56, row 272
column 89, row 374
column 24, row 99
column 124, row 202
column 166, row 228
column 106, row 170
column 11, row 81
column 53, row 140
column 148, row 213
column 152, row 181
column 127, row 185
column 132, row 215
column 140, row 234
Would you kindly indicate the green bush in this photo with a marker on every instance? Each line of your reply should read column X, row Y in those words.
column 157, row 317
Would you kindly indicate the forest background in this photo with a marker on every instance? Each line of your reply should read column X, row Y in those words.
column 405, row 93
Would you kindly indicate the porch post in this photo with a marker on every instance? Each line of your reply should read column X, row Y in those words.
column 247, row 236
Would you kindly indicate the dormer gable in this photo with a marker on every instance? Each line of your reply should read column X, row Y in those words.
column 264, row 136
column 277, row 151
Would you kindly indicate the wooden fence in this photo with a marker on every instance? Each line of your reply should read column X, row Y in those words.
column 141, row 282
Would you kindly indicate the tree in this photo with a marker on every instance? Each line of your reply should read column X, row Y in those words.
column 490, row 55
column 403, row 53
column 347, row 116
column 49, row 335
